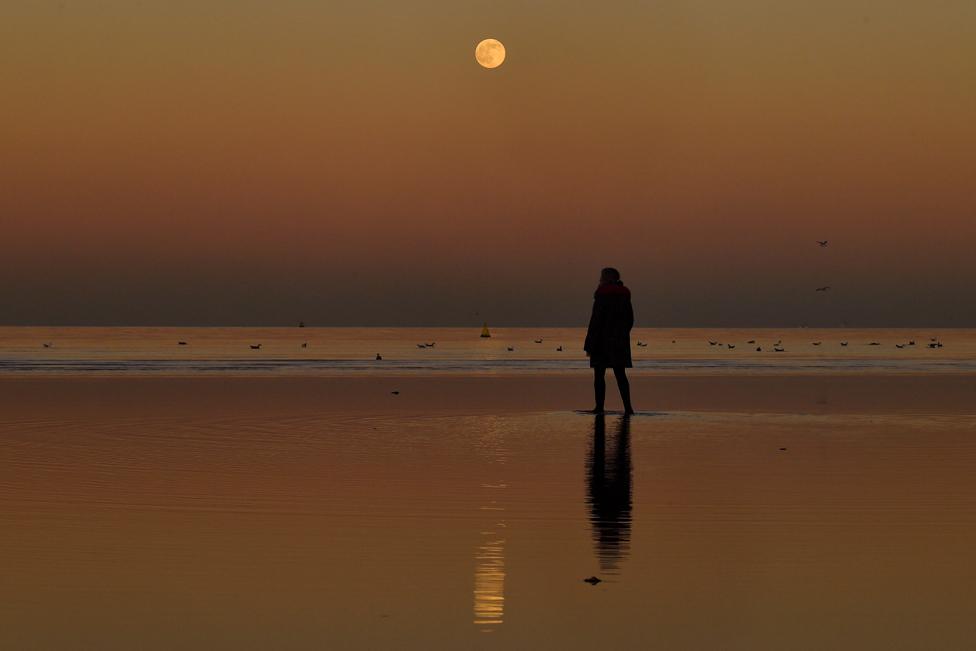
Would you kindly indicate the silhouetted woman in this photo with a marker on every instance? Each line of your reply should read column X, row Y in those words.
column 608, row 337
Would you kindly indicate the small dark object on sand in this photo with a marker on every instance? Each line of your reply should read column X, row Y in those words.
column 538, row 341
column 379, row 358
column 304, row 344
column 758, row 349
column 843, row 343
column 592, row 580
column 511, row 348
column 751, row 341
column 396, row 393
column 255, row 347
column 874, row 343
column 559, row 349
column 782, row 449
column 180, row 343
column 731, row 346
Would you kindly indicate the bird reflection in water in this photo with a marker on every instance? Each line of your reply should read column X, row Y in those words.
column 608, row 493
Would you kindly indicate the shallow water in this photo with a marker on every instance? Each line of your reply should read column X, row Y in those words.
column 244, row 523
column 331, row 350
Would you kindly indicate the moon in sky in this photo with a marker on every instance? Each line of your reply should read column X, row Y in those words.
column 490, row 53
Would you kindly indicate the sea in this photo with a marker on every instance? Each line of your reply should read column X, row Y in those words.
column 314, row 350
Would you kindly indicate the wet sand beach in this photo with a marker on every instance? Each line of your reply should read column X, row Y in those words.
column 738, row 512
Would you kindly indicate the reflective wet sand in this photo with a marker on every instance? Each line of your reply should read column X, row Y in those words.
column 465, row 512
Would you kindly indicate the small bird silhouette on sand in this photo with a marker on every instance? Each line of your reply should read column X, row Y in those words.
column 593, row 580
column 379, row 358
column 511, row 348
column 559, row 349
column 731, row 346
column 180, row 343
column 255, row 346
column 47, row 345
column 396, row 393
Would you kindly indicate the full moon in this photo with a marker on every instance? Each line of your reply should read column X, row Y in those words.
column 490, row 53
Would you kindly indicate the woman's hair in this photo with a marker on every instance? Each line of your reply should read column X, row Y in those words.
column 610, row 274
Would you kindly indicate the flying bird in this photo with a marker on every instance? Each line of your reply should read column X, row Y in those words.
column 822, row 243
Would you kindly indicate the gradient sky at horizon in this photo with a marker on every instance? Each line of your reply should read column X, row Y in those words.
column 349, row 163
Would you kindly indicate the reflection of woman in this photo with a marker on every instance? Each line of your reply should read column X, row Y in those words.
column 608, row 478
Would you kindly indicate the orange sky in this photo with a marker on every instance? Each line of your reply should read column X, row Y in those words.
column 349, row 163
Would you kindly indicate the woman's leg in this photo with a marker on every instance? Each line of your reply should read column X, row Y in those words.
column 599, row 388
column 623, row 384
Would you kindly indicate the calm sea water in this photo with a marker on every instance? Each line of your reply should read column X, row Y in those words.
column 329, row 350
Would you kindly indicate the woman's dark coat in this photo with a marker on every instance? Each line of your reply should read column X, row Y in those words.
column 608, row 337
